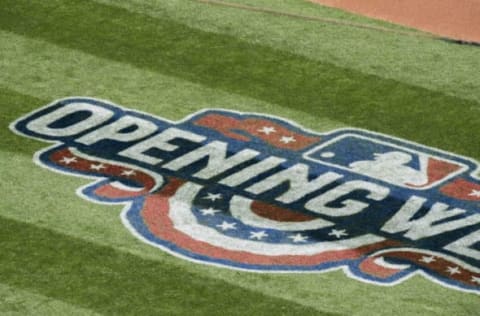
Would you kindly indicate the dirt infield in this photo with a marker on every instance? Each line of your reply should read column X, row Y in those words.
column 456, row 19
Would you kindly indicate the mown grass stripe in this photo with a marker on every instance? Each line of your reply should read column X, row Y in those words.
column 431, row 64
column 250, row 8
column 260, row 72
column 111, row 282
column 14, row 301
column 12, row 105
column 390, row 29
column 48, row 71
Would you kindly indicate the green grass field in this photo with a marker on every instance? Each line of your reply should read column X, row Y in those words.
column 61, row 255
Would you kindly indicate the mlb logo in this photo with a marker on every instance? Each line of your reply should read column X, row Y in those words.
column 396, row 164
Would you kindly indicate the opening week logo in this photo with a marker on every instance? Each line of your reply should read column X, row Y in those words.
column 256, row 192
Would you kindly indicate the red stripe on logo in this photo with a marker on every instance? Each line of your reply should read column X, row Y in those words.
column 370, row 267
column 266, row 130
column 67, row 159
column 278, row 214
column 462, row 189
column 436, row 263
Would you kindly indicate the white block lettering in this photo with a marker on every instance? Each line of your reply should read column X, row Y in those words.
column 463, row 245
column 97, row 116
column 160, row 141
column 426, row 226
column 141, row 129
column 297, row 178
column 218, row 162
column 350, row 207
column 252, row 171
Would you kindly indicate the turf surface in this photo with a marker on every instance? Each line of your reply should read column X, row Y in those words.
column 170, row 59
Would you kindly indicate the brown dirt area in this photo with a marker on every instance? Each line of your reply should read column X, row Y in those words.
column 455, row 19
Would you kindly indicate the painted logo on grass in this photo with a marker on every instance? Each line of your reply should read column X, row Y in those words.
column 257, row 192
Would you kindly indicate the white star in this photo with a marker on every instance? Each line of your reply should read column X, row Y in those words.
column 128, row 173
column 226, row 226
column 476, row 279
column 428, row 259
column 475, row 193
column 258, row 235
column 298, row 238
column 213, row 197
column 209, row 211
column 287, row 140
column 267, row 130
column 68, row 160
column 97, row 167
column 338, row 233
column 453, row 270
